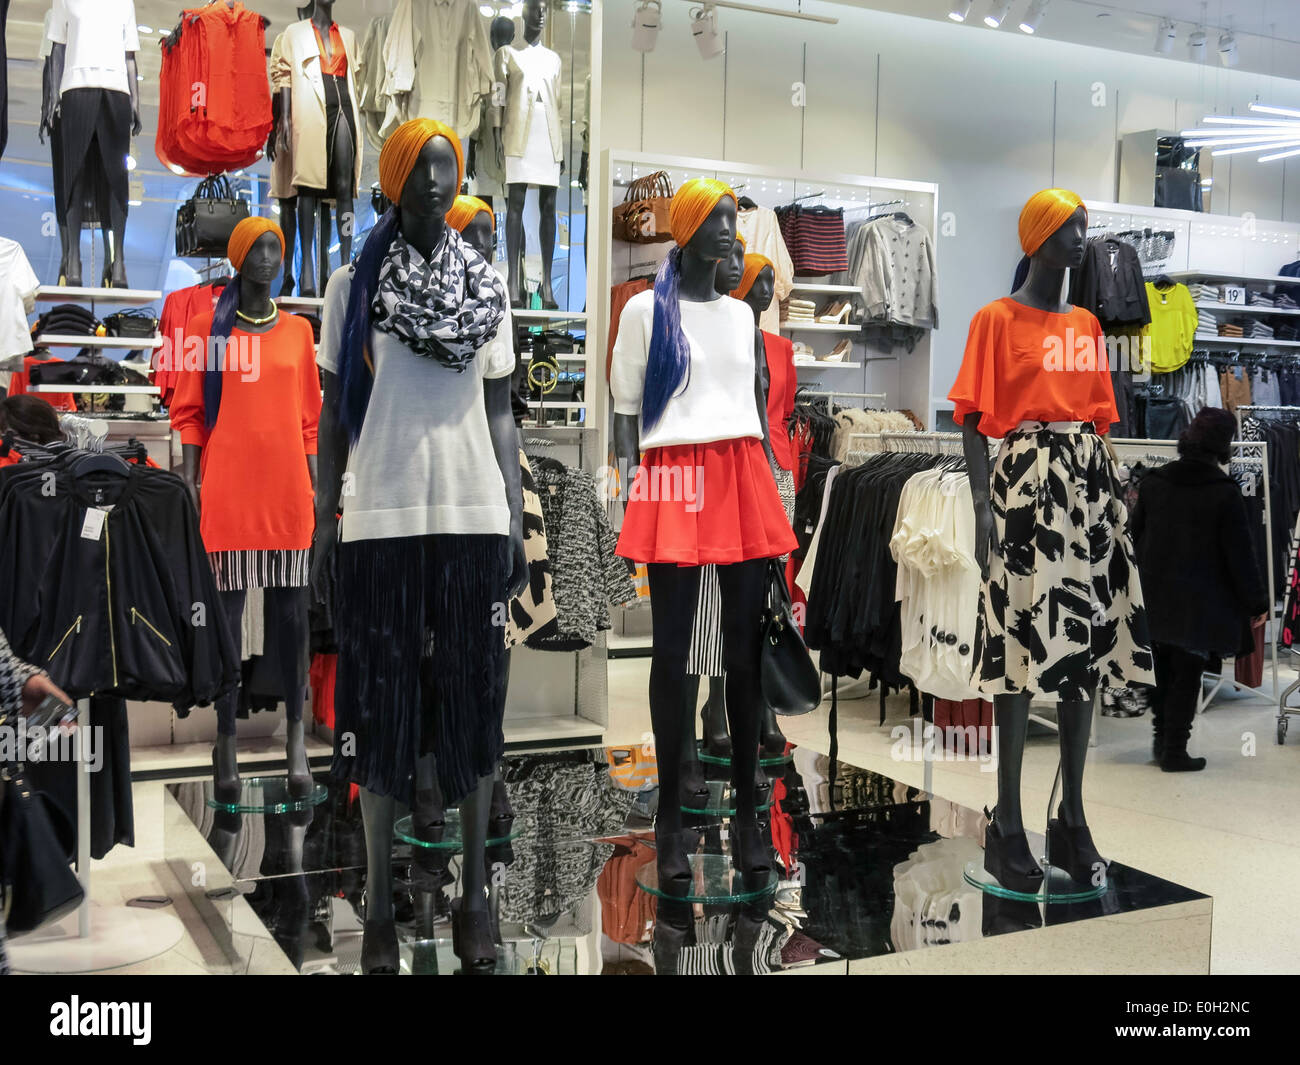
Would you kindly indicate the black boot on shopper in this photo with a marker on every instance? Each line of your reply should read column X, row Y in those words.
column 1179, row 761
column 1070, row 847
column 1009, row 860
column 1157, row 747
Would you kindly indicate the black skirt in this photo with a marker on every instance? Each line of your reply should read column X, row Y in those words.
column 338, row 108
column 95, row 131
column 421, row 661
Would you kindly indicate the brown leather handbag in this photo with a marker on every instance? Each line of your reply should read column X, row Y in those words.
column 642, row 217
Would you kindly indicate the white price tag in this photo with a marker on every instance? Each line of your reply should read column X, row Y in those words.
column 93, row 527
column 1234, row 294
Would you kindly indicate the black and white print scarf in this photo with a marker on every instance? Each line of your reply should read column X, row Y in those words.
column 446, row 308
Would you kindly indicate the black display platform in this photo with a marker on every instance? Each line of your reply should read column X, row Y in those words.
column 876, row 885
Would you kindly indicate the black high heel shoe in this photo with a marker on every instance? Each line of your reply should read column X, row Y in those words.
column 773, row 739
column 713, row 726
column 668, row 940
column 471, row 939
column 1009, row 860
column 672, row 861
column 224, row 789
column 379, row 953
column 1071, row 848
column 692, row 788
column 751, row 852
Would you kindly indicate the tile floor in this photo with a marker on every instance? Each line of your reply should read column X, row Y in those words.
column 1232, row 831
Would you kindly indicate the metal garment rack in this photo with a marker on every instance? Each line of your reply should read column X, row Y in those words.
column 1252, row 454
column 814, row 392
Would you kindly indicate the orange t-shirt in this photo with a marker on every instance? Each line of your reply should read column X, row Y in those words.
column 337, row 63
column 256, row 489
column 1023, row 364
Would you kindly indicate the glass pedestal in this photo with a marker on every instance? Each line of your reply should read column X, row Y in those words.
column 404, row 830
column 713, row 880
column 1058, row 886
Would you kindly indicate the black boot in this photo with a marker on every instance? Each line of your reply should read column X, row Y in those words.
column 773, row 739
column 713, row 722
column 1009, row 860
column 668, row 942
column 379, row 953
column 1179, row 761
column 1070, row 847
column 1157, row 747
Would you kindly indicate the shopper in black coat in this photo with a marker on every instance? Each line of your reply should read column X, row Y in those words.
column 1200, row 578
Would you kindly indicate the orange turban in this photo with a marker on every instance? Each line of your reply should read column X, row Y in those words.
column 245, row 235
column 465, row 210
column 402, row 148
column 742, row 241
column 692, row 204
column 754, row 265
column 1044, row 214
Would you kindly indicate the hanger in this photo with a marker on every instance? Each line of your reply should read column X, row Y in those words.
column 99, row 462
column 746, row 204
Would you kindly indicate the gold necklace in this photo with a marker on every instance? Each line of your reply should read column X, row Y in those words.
column 258, row 321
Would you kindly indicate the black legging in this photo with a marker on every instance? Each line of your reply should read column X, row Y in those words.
column 673, row 594
column 1173, row 701
column 286, row 618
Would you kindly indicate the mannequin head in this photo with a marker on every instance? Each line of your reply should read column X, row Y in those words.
column 758, row 296
column 322, row 11
column 306, row 10
column 534, row 19
column 502, row 32
column 430, row 188
column 730, row 269
column 264, row 258
column 476, row 223
column 1054, row 228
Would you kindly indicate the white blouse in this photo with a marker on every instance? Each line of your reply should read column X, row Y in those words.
column 97, row 35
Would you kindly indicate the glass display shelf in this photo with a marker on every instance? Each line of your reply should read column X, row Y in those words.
column 764, row 760
column 1060, row 887
column 450, row 841
column 721, row 802
column 265, row 795
column 713, row 880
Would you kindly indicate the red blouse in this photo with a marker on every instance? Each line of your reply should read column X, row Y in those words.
column 337, row 63
column 781, row 385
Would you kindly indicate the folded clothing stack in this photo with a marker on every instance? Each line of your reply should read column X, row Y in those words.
column 1258, row 330
column 1207, row 325
column 800, row 311
column 803, row 353
column 1286, row 332
column 1260, row 299
column 1204, row 293
column 1284, row 302
column 67, row 319
column 1231, row 329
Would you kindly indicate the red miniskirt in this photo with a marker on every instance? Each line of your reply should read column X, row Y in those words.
column 696, row 504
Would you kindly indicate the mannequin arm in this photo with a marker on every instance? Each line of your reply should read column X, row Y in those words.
column 286, row 118
column 975, row 445
column 760, row 392
column 191, row 461
column 327, row 468
column 627, row 449
column 133, row 85
column 50, row 105
column 505, row 443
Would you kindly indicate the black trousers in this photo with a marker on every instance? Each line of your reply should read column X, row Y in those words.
column 674, row 591
column 1178, row 686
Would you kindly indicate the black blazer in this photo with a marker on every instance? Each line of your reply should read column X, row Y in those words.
column 1196, row 558
column 1116, row 295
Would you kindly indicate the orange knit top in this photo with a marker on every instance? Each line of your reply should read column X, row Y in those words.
column 337, row 63
column 256, row 490
column 1023, row 364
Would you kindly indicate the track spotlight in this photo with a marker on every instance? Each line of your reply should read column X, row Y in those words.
column 1196, row 47
column 1166, row 34
column 997, row 13
column 704, row 28
column 1029, row 24
column 645, row 25
column 1228, row 49
column 960, row 10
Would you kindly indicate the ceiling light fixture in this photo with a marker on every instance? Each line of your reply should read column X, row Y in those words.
column 1228, row 49
column 1166, row 34
column 704, row 28
column 1196, row 47
column 960, row 10
column 997, row 13
column 646, row 20
column 1029, row 24
column 1270, row 138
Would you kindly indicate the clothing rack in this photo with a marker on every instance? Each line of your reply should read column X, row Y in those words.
column 928, row 443
column 1246, row 454
column 815, row 391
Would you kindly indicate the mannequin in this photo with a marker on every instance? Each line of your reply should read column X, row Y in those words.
column 279, row 152
column 528, row 138
column 97, row 110
column 421, row 660
column 1081, row 617
column 656, row 386
column 486, row 165
column 319, row 123
column 257, row 533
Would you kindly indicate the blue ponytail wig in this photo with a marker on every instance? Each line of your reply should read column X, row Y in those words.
column 223, row 321
column 356, row 378
column 668, row 363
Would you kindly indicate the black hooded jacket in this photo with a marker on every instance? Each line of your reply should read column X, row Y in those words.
column 1196, row 557
column 125, row 607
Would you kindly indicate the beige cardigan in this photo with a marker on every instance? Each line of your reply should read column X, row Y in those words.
column 297, row 67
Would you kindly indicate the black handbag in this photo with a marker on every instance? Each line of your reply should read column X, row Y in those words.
column 791, row 683
column 205, row 221
column 136, row 323
column 36, row 844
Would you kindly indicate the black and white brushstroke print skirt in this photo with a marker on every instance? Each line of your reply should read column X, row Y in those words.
column 1062, row 607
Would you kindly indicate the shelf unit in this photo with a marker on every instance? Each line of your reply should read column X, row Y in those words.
column 100, row 390
column 1220, row 275
column 829, row 290
column 819, row 327
column 58, row 340
column 1245, row 342
column 521, row 314
column 1245, row 308
column 300, row 303
column 822, row 364
column 113, row 297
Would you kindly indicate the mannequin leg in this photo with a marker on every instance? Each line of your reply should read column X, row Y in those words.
column 1006, row 850
column 714, row 719
column 307, row 240
column 117, row 222
column 323, row 234
column 1074, row 725
column 770, row 733
column 224, row 760
column 289, row 227
column 546, row 236
column 287, row 614
column 474, row 810
column 379, row 939
column 743, row 590
column 342, row 160
column 515, row 196
column 76, row 214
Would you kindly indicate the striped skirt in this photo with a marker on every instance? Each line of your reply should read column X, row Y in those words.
column 237, row 571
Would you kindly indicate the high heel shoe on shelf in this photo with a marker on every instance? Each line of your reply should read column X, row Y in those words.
column 838, row 354
column 1070, row 847
column 1009, row 860
column 379, row 952
column 471, row 939
column 836, row 312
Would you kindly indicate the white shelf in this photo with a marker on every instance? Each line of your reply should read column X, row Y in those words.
column 570, row 358
column 122, row 296
column 523, row 315
column 301, row 303
column 1245, row 342
column 1245, row 308
column 822, row 364
column 811, row 286
column 56, row 340
column 557, row 406
column 1219, row 275
column 107, row 390
column 818, row 327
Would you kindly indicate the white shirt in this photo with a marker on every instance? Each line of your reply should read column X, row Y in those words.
column 716, row 401
column 424, row 463
column 97, row 35
column 18, row 286
column 762, row 235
